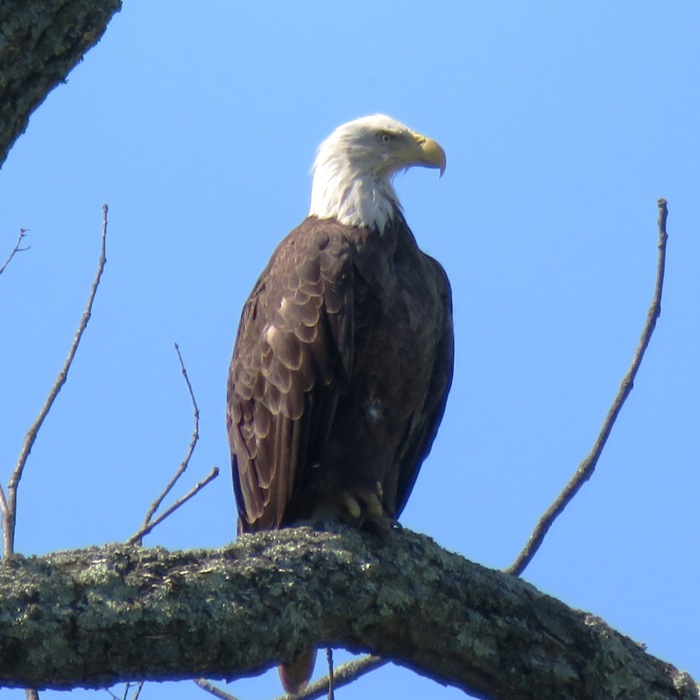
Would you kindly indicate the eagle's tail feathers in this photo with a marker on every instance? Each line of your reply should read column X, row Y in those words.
column 296, row 675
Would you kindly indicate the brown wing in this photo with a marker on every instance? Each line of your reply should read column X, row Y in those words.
column 423, row 429
column 291, row 361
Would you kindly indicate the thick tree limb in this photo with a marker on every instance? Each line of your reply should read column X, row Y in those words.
column 40, row 43
column 85, row 618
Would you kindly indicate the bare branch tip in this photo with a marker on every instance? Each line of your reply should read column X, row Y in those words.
column 9, row 507
column 18, row 248
column 663, row 216
column 588, row 465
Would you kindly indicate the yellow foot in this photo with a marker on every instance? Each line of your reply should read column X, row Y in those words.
column 363, row 502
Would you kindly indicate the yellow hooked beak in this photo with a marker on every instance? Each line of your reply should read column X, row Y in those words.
column 431, row 153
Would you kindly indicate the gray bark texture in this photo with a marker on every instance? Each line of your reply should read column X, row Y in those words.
column 40, row 43
column 98, row 616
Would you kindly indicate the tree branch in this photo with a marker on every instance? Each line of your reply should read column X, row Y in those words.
column 331, row 675
column 587, row 467
column 15, row 250
column 84, row 618
column 343, row 675
column 8, row 506
column 41, row 43
column 210, row 688
column 147, row 527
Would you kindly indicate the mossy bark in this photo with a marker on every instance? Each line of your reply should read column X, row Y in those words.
column 98, row 616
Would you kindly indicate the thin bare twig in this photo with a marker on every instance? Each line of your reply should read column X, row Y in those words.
column 5, row 511
column 149, row 523
column 16, row 249
column 125, row 694
column 343, row 675
column 587, row 467
column 9, row 506
column 193, row 443
column 127, row 688
column 137, row 537
column 331, row 677
column 211, row 688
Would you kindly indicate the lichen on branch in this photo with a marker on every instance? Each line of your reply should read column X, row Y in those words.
column 84, row 617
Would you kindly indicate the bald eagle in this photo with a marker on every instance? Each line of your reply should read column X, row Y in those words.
column 343, row 359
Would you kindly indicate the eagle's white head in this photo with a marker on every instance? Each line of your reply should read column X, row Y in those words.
column 355, row 165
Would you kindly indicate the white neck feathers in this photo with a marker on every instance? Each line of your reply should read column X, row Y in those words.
column 351, row 183
column 353, row 199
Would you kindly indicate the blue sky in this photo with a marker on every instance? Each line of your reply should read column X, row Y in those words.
column 563, row 124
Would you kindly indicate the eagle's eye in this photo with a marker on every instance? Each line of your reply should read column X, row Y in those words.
column 385, row 137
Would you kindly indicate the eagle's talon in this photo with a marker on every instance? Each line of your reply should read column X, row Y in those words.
column 351, row 505
column 361, row 505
